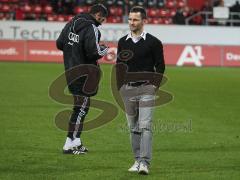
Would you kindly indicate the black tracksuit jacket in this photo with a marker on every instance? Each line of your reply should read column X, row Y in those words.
column 79, row 41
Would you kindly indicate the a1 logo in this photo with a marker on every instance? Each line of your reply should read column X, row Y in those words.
column 191, row 55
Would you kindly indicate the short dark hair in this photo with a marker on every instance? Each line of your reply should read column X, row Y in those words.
column 99, row 8
column 136, row 9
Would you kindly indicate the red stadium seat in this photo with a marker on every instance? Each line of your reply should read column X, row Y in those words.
column 80, row 9
column 4, row 1
column 152, row 12
column 119, row 11
column 115, row 11
column 114, row 19
column 172, row 12
column 118, row 19
column 112, row 10
column 60, row 18
column 167, row 21
column 48, row 9
column 37, row 9
column 170, row 4
column 157, row 21
column 180, row 3
column 26, row 8
column 5, row 8
column 14, row 6
column 19, row 15
column 163, row 13
column 110, row 19
column 51, row 17
column 5, row 16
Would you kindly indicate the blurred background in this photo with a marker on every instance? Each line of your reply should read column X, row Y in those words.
column 186, row 28
column 194, row 12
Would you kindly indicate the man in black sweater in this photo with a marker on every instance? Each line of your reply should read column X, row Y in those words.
column 79, row 41
column 139, row 70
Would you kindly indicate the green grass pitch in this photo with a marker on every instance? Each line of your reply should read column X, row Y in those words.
column 196, row 136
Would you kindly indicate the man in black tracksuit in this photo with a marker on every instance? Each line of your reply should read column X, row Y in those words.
column 79, row 41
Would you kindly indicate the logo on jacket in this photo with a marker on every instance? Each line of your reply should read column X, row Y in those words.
column 73, row 37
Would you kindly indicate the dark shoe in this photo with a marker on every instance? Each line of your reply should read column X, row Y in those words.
column 82, row 148
column 73, row 151
column 143, row 169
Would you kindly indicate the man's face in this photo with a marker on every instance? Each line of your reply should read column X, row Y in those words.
column 100, row 18
column 135, row 21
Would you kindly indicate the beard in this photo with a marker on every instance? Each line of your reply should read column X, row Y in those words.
column 134, row 28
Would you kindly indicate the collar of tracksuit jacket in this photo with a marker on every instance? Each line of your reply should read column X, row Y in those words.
column 83, row 20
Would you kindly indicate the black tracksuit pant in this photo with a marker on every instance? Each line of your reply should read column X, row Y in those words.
column 80, row 110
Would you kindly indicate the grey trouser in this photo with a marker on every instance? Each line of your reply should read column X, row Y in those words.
column 139, row 103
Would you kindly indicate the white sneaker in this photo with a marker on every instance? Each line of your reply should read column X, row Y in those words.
column 68, row 144
column 143, row 169
column 134, row 167
column 76, row 142
column 71, row 148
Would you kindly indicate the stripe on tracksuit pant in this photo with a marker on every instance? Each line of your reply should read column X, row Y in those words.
column 80, row 110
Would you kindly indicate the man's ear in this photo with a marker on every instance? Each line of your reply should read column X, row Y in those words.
column 98, row 14
column 144, row 21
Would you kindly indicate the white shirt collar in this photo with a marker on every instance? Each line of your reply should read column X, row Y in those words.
column 143, row 35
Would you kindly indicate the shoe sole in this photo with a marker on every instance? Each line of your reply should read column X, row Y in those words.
column 74, row 152
column 143, row 172
column 85, row 151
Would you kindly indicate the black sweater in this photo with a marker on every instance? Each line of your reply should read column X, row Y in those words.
column 141, row 61
column 143, row 56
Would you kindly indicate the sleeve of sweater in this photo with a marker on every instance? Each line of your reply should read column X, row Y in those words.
column 158, row 56
column 120, row 68
column 159, row 65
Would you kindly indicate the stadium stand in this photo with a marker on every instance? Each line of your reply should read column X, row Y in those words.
column 159, row 11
